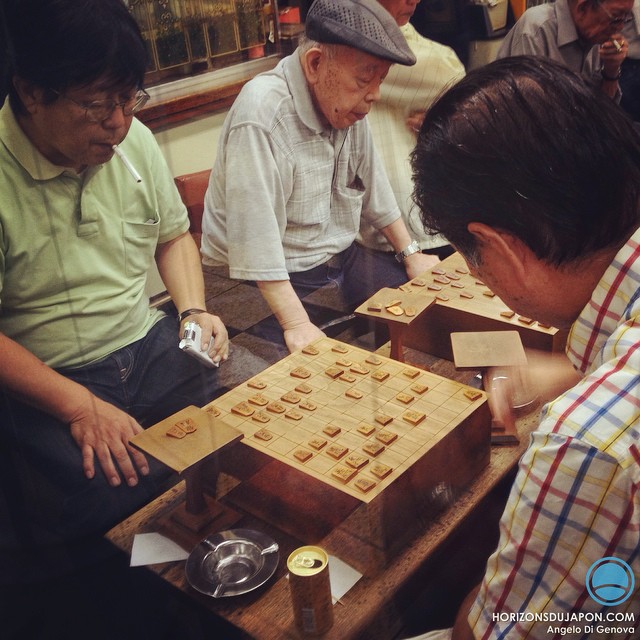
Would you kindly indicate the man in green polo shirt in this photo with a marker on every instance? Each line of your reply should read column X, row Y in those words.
column 85, row 364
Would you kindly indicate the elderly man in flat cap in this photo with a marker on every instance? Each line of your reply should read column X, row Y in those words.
column 296, row 170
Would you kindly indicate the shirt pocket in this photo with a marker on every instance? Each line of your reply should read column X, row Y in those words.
column 140, row 242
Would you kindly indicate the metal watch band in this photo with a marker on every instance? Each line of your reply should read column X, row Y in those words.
column 414, row 247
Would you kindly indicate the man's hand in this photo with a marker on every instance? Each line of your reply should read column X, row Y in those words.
column 102, row 431
column 301, row 335
column 211, row 325
column 418, row 263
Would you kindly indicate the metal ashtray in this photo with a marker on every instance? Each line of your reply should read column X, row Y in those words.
column 232, row 562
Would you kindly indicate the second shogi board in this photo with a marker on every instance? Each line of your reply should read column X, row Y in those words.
column 449, row 299
column 348, row 417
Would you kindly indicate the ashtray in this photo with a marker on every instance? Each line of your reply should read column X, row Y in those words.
column 232, row 562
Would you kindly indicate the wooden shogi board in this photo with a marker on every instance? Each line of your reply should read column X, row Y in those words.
column 449, row 299
column 350, row 418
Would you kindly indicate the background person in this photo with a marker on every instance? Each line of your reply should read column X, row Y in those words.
column 405, row 95
column 549, row 219
column 584, row 35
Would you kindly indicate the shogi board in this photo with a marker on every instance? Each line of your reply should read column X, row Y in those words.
column 348, row 417
column 449, row 299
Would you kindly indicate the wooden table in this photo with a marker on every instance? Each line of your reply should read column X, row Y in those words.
column 375, row 606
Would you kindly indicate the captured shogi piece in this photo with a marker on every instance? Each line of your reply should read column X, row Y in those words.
column 448, row 299
column 352, row 419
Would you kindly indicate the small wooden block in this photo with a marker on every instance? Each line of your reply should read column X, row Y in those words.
column 293, row 414
column 418, row 282
column 410, row 311
column 358, row 368
column 434, row 287
column 525, row 320
column 374, row 306
column 347, row 377
column 373, row 359
column 302, row 454
column 419, row 388
column 343, row 362
column 243, row 409
column 380, row 470
column 276, row 407
column 259, row 400
column 380, row 375
column 356, row 461
column 174, row 431
column 413, row 417
column 260, row 416
column 366, row 429
column 364, row 484
column 405, row 398
column 188, row 425
column 257, row 384
column 395, row 310
column 332, row 430
column 411, row 373
column 300, row 372
column 263, row 434
column 334, row 372
column 386, row 437
column 442, row 280
column 383, row 419
column 344, row 474
column 337, row 451
column 310, row 350
column 317, row 443
column 466, row 294
column 291, row 397
column 462, row 271
column 472, row 394
column 392, row 303
column 214, row 411
column 442, row 297
column 489, row 294
column 373, row 448
column 353, row 393
column 308, row 405
column 340, row 348
column 457, row 285
column 303, row 387
column 452, row 276
column 438, row 271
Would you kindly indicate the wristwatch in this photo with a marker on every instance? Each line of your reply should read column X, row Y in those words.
column 414, row 247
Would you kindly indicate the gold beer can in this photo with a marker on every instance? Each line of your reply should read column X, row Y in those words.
column 310, row 590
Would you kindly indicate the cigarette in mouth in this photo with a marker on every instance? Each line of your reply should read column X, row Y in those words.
column 130, row 168
column 616, row 44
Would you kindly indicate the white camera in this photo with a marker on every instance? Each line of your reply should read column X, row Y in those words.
column 191, row 341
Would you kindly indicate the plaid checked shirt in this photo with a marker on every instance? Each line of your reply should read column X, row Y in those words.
column 576, row 497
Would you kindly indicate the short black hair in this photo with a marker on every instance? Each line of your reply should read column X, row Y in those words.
column 58, row 44
column 526, row 146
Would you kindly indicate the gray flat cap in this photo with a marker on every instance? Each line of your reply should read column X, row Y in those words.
column 361, row 24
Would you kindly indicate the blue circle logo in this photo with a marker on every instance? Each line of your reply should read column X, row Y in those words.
column 610, row 581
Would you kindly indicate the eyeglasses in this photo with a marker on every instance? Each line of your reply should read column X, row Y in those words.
column 625, row 18
column 99, row 110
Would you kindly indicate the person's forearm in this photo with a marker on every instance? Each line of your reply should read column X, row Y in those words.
column 179, row 266
column 29, row 379
column 397, row 235
column 284, row 303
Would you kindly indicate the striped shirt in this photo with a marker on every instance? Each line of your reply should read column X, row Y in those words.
column 576, row 497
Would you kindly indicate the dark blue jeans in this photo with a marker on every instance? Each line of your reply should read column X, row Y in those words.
column 357, row 273
column 45, row 497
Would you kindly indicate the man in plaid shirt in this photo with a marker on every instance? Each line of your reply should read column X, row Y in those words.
column 539, row 190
